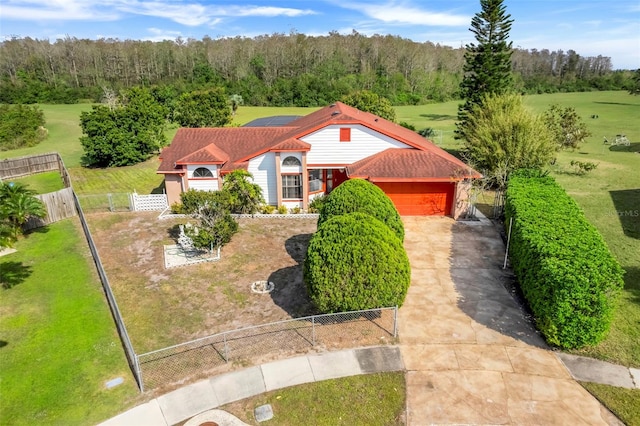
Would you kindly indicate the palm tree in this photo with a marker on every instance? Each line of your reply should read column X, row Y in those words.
column 17, row 205
column 236, row 100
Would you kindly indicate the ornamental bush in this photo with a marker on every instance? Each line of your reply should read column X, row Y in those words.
column 358, row 195
column 356, row 262
column 566, row 271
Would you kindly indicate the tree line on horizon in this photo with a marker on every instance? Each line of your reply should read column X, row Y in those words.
column 277, row 70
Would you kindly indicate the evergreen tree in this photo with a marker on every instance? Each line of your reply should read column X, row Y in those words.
column 487, row 65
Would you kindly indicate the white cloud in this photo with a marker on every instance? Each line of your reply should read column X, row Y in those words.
column 393, row 12
column 190, row 13
column 186, row 14
column 54, row 10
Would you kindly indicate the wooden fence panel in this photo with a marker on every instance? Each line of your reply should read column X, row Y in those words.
column 25, row 166
column 60, row 205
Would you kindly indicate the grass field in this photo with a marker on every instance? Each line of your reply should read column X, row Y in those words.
column 374, row 399
column 59, row 345
column 42, row 183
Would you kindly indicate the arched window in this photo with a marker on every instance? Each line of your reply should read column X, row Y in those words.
column 291, row 161
column 202, row 172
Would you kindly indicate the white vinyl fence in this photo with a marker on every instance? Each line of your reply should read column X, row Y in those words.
column 149, row 202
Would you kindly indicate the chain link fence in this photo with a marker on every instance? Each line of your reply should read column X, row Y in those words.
column 116, row 202
column 253, row 345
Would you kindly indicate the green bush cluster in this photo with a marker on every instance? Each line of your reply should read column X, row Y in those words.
column 358, row 195
column 355, row 262
column 21, row 126
column 567, row 273
column 192, row 199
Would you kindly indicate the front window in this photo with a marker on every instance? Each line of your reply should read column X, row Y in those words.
column 292, row 186
column 202, row 172
column 291, row 161
column 315, row 180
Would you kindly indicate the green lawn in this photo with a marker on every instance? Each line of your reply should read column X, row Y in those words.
column 63, row 124
column 372, row 399
column 42, row 183
column 59, row 345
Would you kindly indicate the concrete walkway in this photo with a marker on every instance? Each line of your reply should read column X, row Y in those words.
column 471, row 355
column 191, row 400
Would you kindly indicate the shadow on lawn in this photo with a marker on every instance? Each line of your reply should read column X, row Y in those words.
column 160, row 189
column 632, row 147
column 290, row 292
column 439, row 117
column 627, row 204
column 13, row 273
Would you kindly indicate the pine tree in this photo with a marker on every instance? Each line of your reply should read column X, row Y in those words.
column 487, row 65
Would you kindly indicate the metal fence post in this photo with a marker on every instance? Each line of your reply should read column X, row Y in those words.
column 313, row 330
column 110, row 203
column 139, row 372
column 395, row 322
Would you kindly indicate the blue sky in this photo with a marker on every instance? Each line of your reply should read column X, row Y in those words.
column 590, row 27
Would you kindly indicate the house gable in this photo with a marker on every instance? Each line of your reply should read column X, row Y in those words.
column 328, row 149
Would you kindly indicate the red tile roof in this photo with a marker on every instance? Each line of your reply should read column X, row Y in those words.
column 234, row 146
column 234, row 142
column 397, row 164
column 210, row 154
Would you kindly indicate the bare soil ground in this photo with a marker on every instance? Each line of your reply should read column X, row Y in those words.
column 163, row 307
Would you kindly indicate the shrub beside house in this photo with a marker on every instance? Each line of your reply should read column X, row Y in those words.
column 358, row 195
column 356, row 259
column 356, row 262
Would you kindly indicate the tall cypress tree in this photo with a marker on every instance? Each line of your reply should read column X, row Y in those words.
column 487, row 67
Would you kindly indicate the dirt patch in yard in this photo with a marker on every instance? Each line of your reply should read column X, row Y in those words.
column 163, row 307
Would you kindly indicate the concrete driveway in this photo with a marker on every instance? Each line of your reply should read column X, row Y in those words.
column 471, row 355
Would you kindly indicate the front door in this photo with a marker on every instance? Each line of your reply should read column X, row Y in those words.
column 337, row 177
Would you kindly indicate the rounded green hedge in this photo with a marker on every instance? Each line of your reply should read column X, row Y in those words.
column 355, row 262
column 359, row 195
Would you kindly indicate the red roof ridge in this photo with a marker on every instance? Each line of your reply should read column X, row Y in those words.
column 210, row 154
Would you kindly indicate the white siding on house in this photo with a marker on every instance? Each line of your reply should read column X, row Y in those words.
column 201, row 184
column 327, row 149
column 263, row 169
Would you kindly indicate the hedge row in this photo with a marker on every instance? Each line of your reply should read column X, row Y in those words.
column 566, row 271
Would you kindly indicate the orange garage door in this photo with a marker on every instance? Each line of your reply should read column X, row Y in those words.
column 419, row 198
